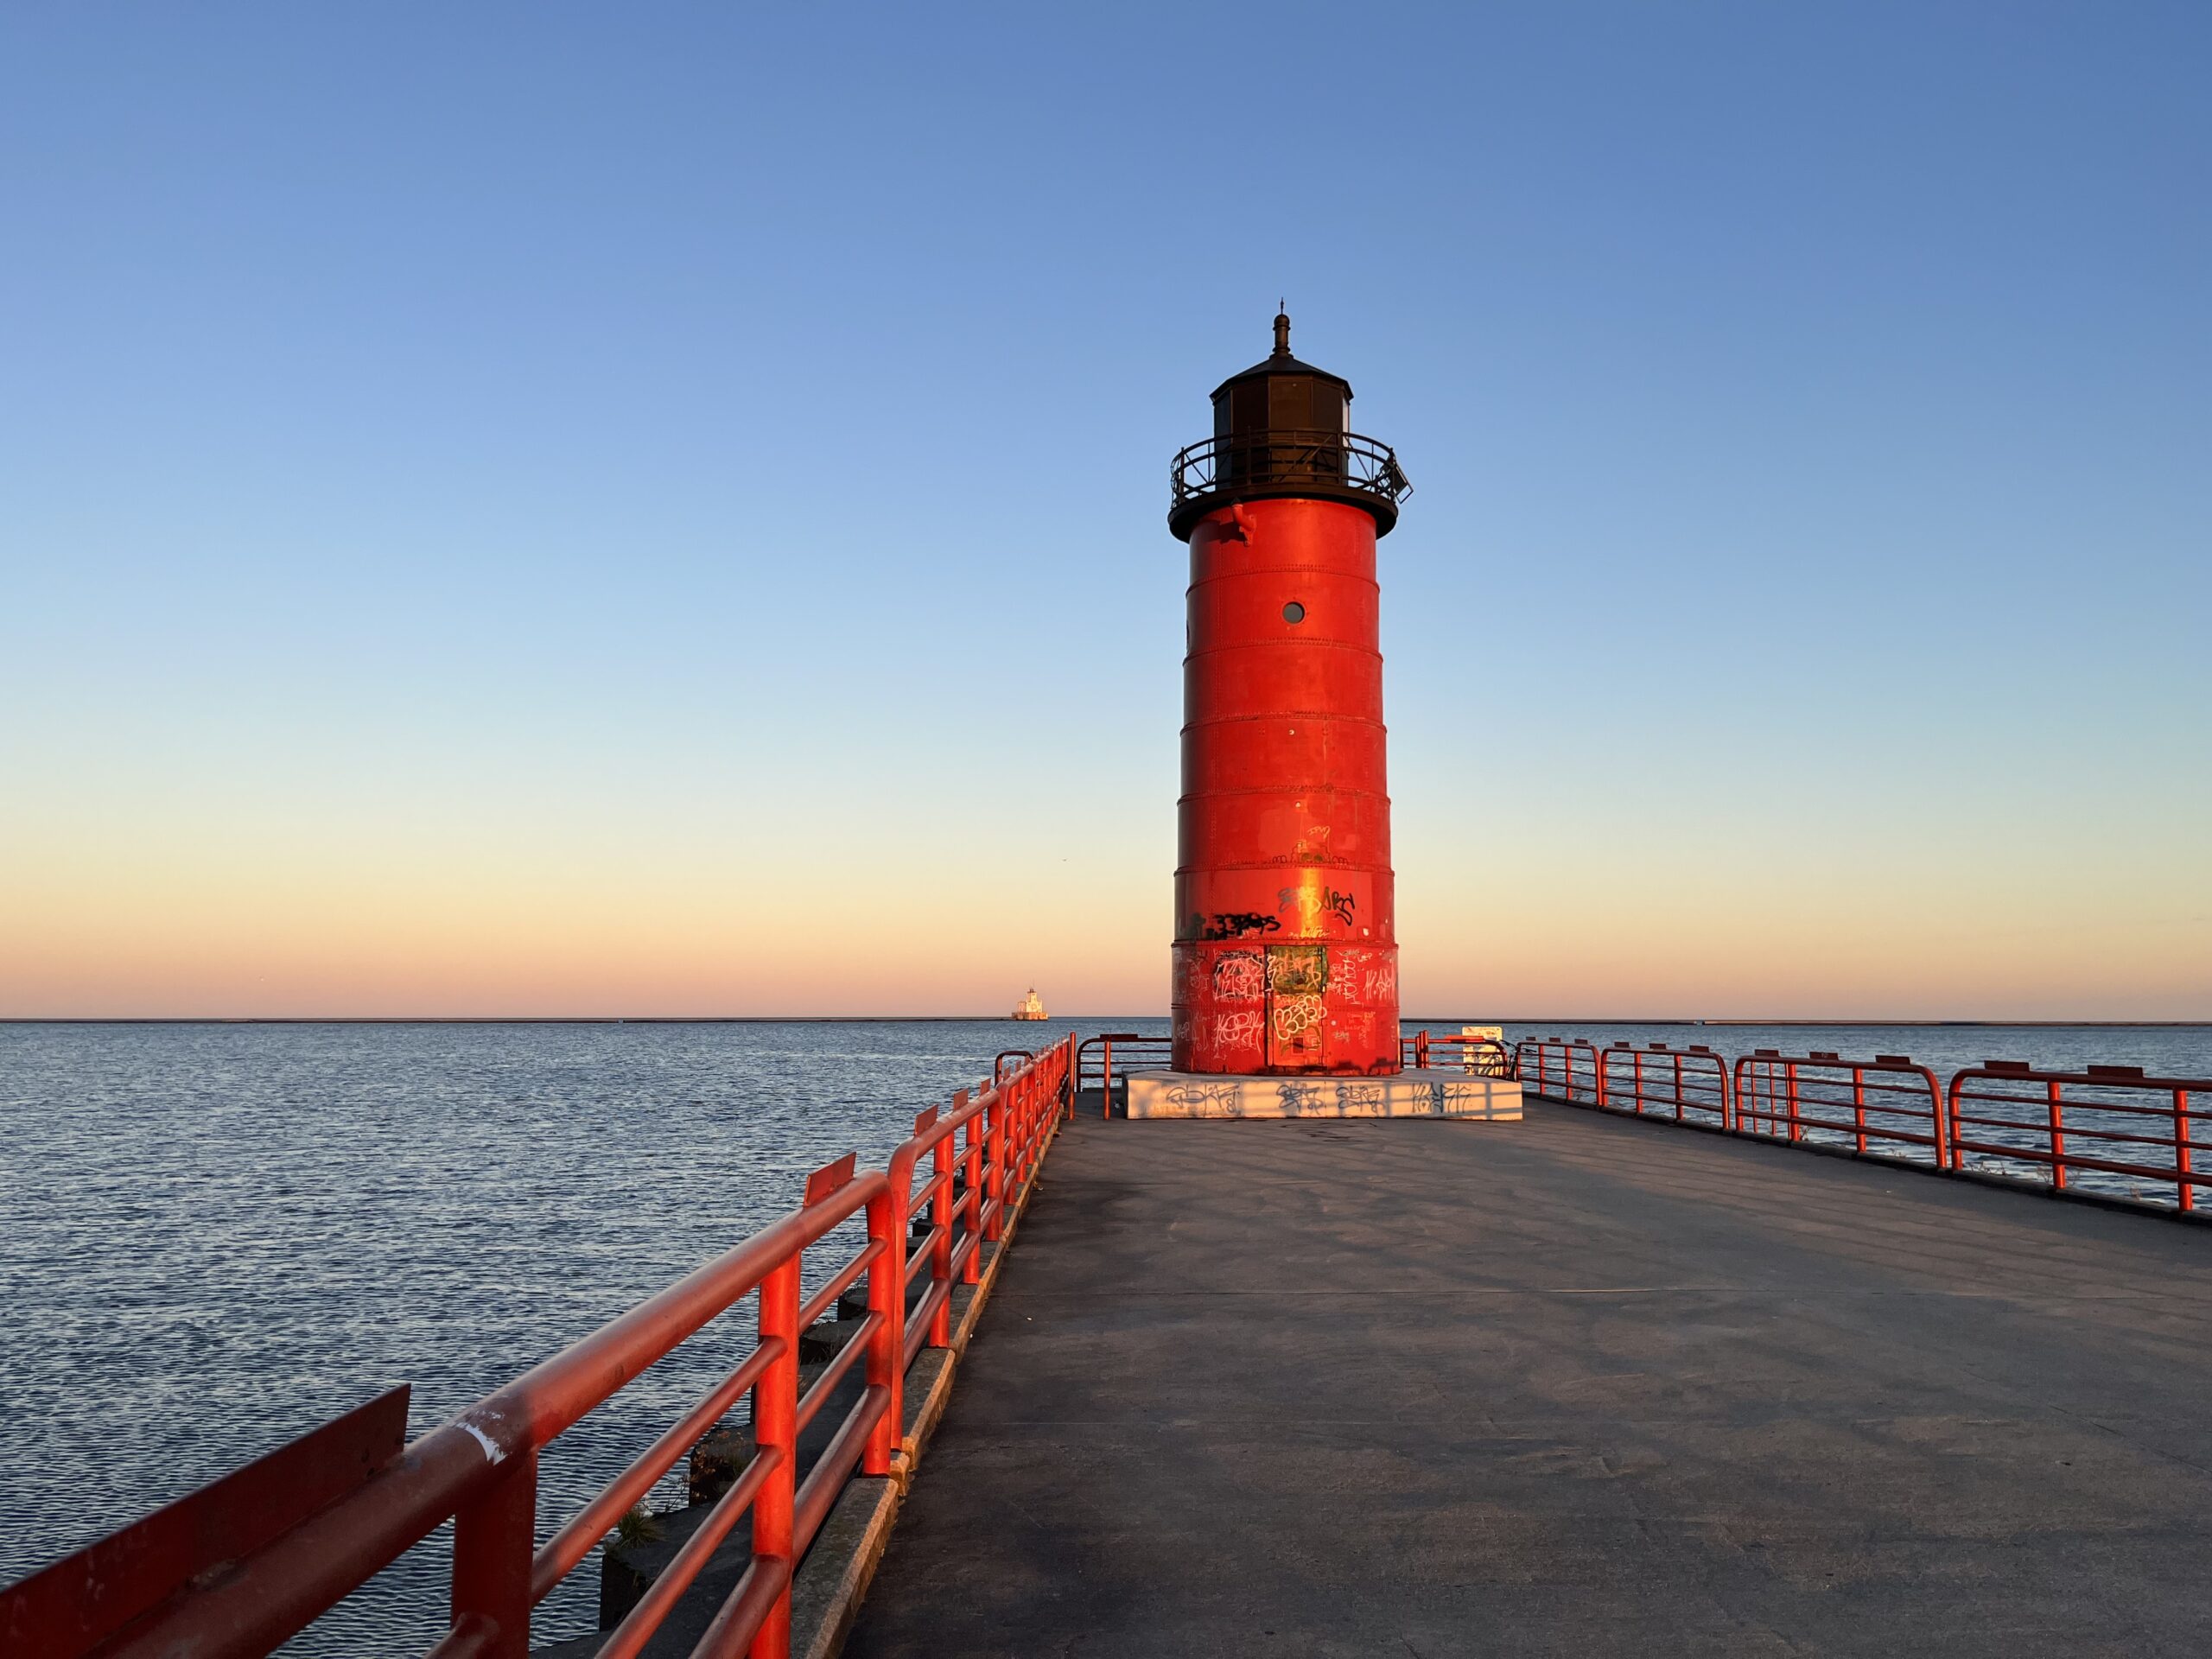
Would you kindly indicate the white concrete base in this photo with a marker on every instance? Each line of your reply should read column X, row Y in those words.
column 1410, row 1094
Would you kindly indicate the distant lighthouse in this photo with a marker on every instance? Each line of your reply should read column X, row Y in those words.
column 1285, row 954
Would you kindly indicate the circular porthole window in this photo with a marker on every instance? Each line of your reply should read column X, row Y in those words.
column 1293, row 611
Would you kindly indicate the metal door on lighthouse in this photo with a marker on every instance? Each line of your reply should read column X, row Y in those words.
column 1297, row 978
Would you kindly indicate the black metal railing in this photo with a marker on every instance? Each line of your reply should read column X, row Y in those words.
column 1334, row 460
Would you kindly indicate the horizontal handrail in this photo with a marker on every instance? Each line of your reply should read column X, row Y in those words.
column 2003, row 1120
column 1479, row 1056
column 1558, row 1068
column 1095, row 1058
column 370, row 1500
column 1691, row 1084
column 2008, row 1113
column 1886, row 1106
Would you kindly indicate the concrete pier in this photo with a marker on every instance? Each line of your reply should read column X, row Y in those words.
column 1588, row 1387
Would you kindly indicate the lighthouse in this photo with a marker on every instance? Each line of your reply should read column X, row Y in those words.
column 1285, row 957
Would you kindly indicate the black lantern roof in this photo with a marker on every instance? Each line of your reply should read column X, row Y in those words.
column 1283, row 428
column 1279, row 361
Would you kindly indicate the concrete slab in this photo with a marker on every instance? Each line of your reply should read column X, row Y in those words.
column 1594, row 1387
column 1409, row 1094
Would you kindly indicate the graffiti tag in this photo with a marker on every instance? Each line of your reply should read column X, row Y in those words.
column 1238, row 1029
column 1298, row 968
column 1239, row 977
column 1235, row 925
column 1339, row 905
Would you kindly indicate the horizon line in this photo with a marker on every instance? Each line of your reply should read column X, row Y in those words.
column 1000, row 1019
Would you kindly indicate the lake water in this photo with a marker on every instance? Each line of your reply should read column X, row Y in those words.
column 221, row 1236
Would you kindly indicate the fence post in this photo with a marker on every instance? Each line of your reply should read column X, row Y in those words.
column 1859, row 1103
column 1790, row 1073
column 994, row 1164
column 971, row 1172
column 2185, row 1189
column 2057, row 1139
column 943, row 1216
column 494, row 1539
column 775, row 1433
column 1033, row 1106
column 886, row 1300
column 1106, row 1082
column 888, row 1297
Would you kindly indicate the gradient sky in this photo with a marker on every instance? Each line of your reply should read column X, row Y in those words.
column 574, row 510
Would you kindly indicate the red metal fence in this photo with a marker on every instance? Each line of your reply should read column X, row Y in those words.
column 1558, row 1068
column 1886, row 1107
column 1109, row 1057
column 241, row 1565
column 2058, row 1128
column 2108, row 1131
column 1484, row 1056
column 1687, row 1084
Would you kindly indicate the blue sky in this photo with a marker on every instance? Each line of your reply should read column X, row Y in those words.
column 542, row 510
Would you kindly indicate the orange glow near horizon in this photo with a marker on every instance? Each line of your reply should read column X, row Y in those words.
column 374, row 924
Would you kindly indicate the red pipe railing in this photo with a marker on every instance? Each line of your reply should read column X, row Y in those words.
column 1689, row 1084
column 1096, row 1056
column 2002, row 1120
column 1481, row 1056
column 298, row 1531
column 1885, row 1106
column 1559, row 1068
column 2008, row 1114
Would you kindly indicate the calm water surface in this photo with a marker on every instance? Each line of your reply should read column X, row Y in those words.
column 221, row 1236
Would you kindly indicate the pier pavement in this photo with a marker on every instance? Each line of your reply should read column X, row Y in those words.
column 1579, row 1385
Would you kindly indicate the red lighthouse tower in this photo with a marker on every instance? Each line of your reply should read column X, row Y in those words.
column 1285, row 956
